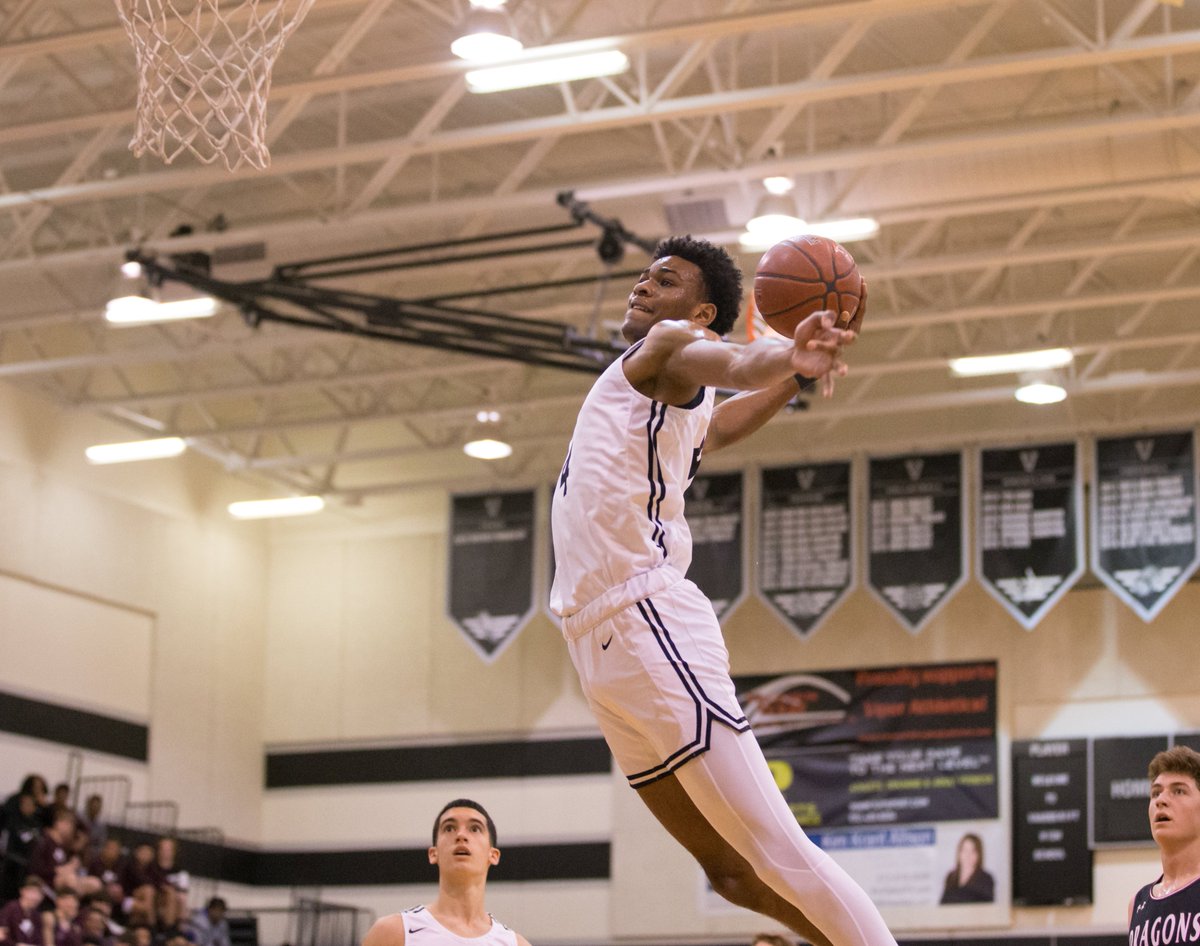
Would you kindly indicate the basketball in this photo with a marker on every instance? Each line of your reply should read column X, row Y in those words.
column 805, row 274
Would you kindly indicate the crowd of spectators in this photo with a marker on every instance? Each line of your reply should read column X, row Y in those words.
column 66, row 881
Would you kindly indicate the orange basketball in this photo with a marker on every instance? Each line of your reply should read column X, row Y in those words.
column 805, row 274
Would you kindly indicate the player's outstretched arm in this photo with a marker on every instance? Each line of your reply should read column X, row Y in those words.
column 738, row 417
column 680, row 357
column 386, row 931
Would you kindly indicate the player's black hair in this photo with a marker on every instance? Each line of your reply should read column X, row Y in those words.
column 465, row 803
column 722, row 277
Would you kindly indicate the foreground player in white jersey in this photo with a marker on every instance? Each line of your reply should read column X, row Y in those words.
column 464, row 847
column 644, row 640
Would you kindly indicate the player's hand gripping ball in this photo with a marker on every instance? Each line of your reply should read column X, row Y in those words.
column 805, row 274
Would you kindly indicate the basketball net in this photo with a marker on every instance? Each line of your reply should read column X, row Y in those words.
column 204, row 75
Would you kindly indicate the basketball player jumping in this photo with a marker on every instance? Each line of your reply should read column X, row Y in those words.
column 643, row 638
column 464, row 847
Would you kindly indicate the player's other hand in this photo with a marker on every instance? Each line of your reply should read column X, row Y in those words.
column 818, row 348
column 854, row 320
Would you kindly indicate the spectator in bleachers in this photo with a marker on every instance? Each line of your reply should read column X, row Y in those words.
column 62, row 797
column 91, row 820
column 137, row 885
column 106, row 866
column 58, row 925
column 139, row 934
column 208, row 925
column 24, row 827
column 51, row 855
column 19, row 919
column 175, row 938
column 94, row 925
column 35, row 786
column 170, row 886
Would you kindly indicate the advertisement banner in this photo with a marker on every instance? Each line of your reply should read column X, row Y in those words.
column 806, row 541
column 916, row 520
column 894, row 746
column 1029, row 535
column 1145, row 541
column 490, row 584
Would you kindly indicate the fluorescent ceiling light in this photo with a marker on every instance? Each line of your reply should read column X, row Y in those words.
column 276, row 508
column 487, row 449
column 488, row 4
column 522, row 75
column 131, row 269
column 845, row 231
column 131, row 310
column 132, row 450
column 778, row 185
column 1040, row 392
column 485, row 47
column 1012, row 362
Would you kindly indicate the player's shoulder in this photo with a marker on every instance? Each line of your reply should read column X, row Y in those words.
column 672, row 333
column 386, row 931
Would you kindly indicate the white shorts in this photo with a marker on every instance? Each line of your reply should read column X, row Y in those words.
column 656, row 675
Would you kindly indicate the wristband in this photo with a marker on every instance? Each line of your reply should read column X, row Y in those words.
column 806, row 384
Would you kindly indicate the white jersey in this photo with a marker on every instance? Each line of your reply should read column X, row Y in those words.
column 422, row 929
column 618, row 503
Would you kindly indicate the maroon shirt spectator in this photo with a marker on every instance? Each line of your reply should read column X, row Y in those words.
column 107, row 867
column 59, row 927
column 138, row 870
column 52, row 853
column 20, row 918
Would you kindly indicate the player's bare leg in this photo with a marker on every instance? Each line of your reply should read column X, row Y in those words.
column 729, row 792
column 729, row 873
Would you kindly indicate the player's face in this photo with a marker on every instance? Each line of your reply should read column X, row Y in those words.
column 463, row 842
column 670, row 288
column 1174, row 808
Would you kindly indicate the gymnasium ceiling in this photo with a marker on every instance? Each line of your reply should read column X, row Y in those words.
column 1034, row 166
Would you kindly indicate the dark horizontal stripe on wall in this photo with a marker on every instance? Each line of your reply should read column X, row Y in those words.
column 585, row 861
column 516, row 759
column 73, row 727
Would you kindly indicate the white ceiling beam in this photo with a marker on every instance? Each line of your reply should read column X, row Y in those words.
column 699, row 105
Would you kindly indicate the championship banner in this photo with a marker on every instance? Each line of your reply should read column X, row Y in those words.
column 713, row 509
column 1120, row 788
column 1145, row 541
column 892, row 746
column 1029, row 535
column 1052, row 862
column 490, row 586
column 806, row 547
column 915, row 524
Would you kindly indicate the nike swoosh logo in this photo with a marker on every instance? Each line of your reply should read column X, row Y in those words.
column 604, row 646
column 417, row 930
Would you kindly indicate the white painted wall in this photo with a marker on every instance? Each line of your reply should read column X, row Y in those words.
column 128, row 590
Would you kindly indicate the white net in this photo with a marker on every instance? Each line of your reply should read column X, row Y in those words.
column 204, row 74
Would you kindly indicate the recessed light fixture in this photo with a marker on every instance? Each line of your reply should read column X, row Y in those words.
column 487, row 448
column 1040, row 392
